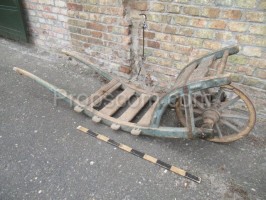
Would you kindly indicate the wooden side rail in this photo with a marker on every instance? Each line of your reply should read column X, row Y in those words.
column 199, row 68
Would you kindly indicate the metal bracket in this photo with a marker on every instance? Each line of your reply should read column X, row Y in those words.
column 145, row 25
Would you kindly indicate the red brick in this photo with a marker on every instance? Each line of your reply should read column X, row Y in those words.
column 95, row 26
column 255, row 16
column 252, row 51
column 96, row 34
column 209, row 44
column 95, row 41
column 127, row 40
column 245, row 70
column 47, row 8
column 153, row 44
column 194, row 11
column 149, row 35
column 109, row 20
column 155, row 27
column 211, row 12
column 125, row 69
column 168, row 46
column 237, row 26
column 160, row 53
column 198, row 22
column 232, row 14
column 186, row 31
column 115, row 11
column 258, row 29
column 170, row 29
column 74, row 6
column 224, row 36
column 140, row 5
column 125, row 22
column 261, row 73
column 157, row 7
column 257, row 63
column 173, row 8
column 46, row 15
column 163, row 37
column 79, row 37
column 217, row 24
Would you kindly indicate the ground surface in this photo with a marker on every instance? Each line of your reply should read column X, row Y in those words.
column 43, row 156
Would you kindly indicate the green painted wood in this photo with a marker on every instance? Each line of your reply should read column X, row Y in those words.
column 11, row 20
column 169, row 97
column 166, row 132
column 186, row 72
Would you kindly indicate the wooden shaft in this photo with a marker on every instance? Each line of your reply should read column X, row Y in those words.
column 59, row 92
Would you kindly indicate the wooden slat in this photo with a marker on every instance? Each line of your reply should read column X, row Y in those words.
column 99, row 93
column 118, row 102
column 221, row 67
column 146, row 119
column 183, row 77
column 105, row 94
column 202, row 70
column 133, row 110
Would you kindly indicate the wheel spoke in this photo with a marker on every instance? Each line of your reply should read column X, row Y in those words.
column 199, row 104
column 219, row 130
column 218, row 95
column 198, row 118
column 230, row 125
column 229, row 103
column 224, row 115
column 197, row 111
column 236, row 112
column 208, row 103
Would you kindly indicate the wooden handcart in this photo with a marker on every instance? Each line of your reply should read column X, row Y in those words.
column 206, row 103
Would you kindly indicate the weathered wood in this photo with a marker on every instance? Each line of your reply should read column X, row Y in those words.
column 221, row 66
column 133, row 110
column 170, row 132
column 189, row 112
column 146, row 119
column 99, row 92
column 149, row 123
column 82, row 59
column 185, row 74
column 118, row 102
column 58, row 92
column 217, row 55
column 202, row 69
column 96, row 95
column 129, row 84
column 213, row 68
column 103, row 95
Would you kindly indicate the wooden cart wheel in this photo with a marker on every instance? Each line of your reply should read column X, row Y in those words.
column 231, row 113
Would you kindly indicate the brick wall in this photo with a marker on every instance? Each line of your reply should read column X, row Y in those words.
column 109, row 33
column 47, row 23
column 185, row 30
column 102, row 30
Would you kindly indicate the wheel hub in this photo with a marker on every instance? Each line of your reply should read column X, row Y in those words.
column 210, row 117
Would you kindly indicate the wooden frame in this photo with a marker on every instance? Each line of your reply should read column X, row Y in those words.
column 194, row 77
